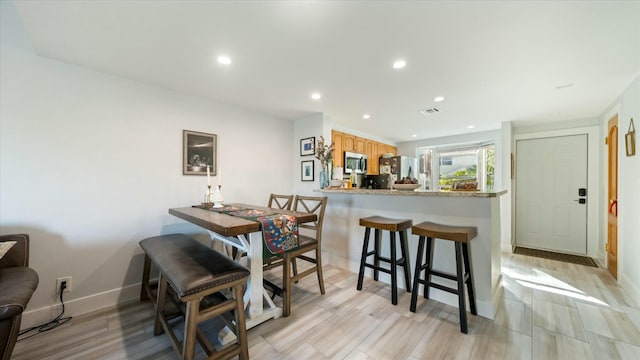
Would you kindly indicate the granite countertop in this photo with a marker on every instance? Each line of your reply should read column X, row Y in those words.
column 330, row 190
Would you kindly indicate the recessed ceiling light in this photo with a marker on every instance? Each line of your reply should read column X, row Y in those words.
column 224, row 60
column 413, row 135
column 470, row 127
column 316, row 96
column 438, row 98
column 366, row 116
column 399, row 64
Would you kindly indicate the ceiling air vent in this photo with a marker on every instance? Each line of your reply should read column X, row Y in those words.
column 429, row 111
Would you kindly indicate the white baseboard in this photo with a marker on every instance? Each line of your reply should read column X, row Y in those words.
column 630, row 288
column 81, row 306
column 130, row 293
column 600, row 259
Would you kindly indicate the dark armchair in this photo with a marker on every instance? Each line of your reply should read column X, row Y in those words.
column 17, row 284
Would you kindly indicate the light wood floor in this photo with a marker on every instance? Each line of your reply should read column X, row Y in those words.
column 549, row 310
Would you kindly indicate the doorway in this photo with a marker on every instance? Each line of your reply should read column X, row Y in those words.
column 552, row 196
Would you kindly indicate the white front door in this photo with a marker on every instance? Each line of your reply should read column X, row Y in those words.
column 549, row 213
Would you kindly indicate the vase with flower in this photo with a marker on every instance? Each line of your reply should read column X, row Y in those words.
column 324, row 153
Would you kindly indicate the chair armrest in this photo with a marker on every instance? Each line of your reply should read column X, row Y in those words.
column 18, row 255
column 18, row 284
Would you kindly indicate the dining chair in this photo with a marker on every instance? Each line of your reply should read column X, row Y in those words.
column 280, row 201
column 275, row 202
column 310, row 237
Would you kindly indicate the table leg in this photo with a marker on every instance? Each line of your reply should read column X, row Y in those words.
column 255, row 295
column 255, row 280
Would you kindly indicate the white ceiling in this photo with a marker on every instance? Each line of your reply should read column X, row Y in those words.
column 493, row 61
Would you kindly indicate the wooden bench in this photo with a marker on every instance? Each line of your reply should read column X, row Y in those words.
column 193, row 275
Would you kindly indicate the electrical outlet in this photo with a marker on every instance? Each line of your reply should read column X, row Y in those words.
column 59, row 281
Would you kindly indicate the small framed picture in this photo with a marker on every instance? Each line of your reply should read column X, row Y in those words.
column 307, row 170
column 630, row 139
column 198, row 153
column 308, row 146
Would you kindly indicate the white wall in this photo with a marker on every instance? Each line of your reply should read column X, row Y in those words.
column 408, row 148
column 627, row 106
column 311, row 126
column 90, row 163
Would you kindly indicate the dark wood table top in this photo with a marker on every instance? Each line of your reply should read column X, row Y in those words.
column 228, row 225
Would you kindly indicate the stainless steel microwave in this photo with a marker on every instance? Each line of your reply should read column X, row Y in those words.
column 354, row 162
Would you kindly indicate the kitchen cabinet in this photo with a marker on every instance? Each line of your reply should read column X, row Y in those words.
column 384, row 149
column 348, row 142
column 338, row 149
column 371, row 149
column 360, row 145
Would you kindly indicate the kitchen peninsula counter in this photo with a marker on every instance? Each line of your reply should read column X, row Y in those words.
column 343, row 236
column 476, row 194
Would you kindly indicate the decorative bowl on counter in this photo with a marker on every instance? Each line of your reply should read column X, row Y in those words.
column 335, row 183
column 405, row 187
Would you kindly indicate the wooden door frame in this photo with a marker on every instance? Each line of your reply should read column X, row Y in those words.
column 615, row 114
column 593, row 180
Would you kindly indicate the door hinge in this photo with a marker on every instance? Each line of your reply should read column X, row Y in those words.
column 606, row 247
column 606, row 141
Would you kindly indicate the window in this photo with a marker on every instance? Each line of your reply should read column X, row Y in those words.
column 442, row 167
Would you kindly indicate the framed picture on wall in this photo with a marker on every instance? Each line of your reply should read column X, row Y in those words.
column 308, row 146
column 630, row 139
column 198, row 152
column 307, row 170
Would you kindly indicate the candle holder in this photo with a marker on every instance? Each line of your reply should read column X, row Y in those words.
column 217, row 198
column 208, row 197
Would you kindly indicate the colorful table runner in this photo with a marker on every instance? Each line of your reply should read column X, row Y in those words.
column 279, row 231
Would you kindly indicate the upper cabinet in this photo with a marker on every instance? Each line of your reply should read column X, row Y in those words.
column 347, row 142
column 384, row 149
column 338, row 148
column 360, row 148
column 371, row 149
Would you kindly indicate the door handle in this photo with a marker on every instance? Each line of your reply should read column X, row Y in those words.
column 581, row 201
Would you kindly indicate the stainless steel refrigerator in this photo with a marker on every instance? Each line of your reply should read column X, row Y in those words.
column 399, row 167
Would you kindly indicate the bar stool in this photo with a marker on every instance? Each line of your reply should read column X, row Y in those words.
column 461, row 236
column 380, row 223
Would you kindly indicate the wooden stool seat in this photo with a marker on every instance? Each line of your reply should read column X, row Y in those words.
column 380, row 223
column 384, row 223
column 461, row 236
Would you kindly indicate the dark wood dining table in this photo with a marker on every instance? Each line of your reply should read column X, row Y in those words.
column 245, row 235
